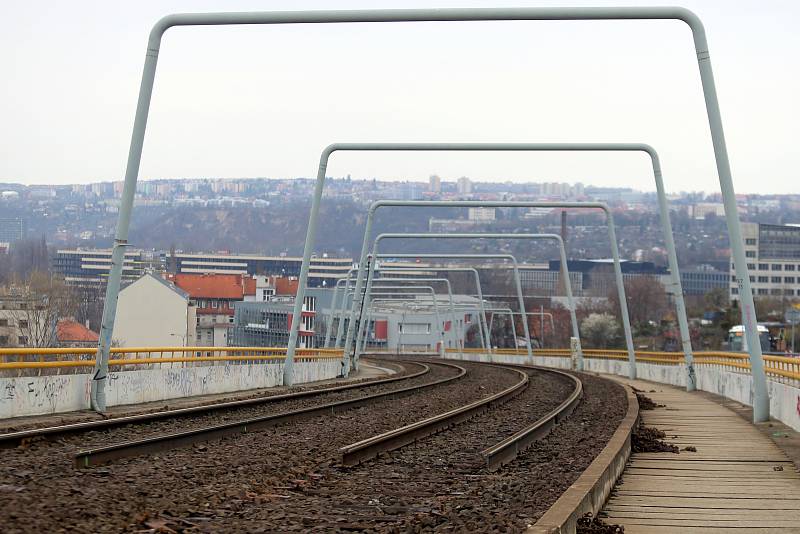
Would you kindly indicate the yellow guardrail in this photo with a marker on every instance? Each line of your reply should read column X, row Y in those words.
column 25, row 358
column 775, row 366
column 70, row 358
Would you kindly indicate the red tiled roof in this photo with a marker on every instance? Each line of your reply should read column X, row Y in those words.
column 211, row 286
column 72, row 331
column 286, row 286
column 249, row 286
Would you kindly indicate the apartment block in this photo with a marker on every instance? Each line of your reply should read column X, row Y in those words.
column 773, row 261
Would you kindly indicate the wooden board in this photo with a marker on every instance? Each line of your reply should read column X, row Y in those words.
column 737, row 481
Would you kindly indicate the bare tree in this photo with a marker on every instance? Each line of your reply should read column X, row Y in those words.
column 647, row 300
column 41, row 301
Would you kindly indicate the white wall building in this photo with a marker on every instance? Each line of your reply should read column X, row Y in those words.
column 412, row 324
column 464, row 186
column 153, row 312
column 481, row 214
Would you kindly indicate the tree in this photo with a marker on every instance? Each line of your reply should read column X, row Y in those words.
column 647, row 300
column 716, row 299
column 41, row 301
column 600, row 330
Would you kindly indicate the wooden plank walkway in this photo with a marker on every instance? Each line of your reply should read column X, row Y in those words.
column 738, row 481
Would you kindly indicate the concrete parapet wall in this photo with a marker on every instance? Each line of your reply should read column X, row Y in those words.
column 784, row 398
column 39, row 395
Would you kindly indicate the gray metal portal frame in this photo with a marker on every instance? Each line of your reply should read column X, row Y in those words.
column 98, row 401
column 482, row 312
column 398, row 293
column 435, row 310
column 350, row 292
column 514, row 266
column 386, row 269
column 434, row 304
column 405, row 309
column 346, row 358
column 368, row 315
column 327, row 341
column 446, row 282
column 554, row 237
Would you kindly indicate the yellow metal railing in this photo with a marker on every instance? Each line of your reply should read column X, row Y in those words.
column 70, row 358
column 774, row 366
column 131, row 358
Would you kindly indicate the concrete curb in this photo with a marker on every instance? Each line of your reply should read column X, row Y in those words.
column 590, row 491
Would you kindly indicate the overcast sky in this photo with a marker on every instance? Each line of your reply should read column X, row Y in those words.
column 264, row 101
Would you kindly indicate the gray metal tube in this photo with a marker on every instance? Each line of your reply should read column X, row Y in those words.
column 329, row 326
column 761, row 406
column 100, row 374
column 453, row 334
column 517, row 204
column 380, row 237
column 448, row 256
column 334, row 309
column 623, row 301
column 509, row 257
column 761, row 400
column 565, row 270
column 482, row 312
column 347, row 302
column 672, row 258
column 436, row 312
column 434, row 305
column 576, row 332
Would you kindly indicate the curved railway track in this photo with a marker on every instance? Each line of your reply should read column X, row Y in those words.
column 496, row 455
column 101, row 455
column 23, row 437
column 437, row 458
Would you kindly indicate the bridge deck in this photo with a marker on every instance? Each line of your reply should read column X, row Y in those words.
column 737, row 481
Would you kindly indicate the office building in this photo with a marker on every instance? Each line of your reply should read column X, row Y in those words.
column 267, row 324
column 91, row 267
column 12, row 229
column 464, row 186
column 700, row 279
column 435, row 184
column 323, row 271
column 773, row 261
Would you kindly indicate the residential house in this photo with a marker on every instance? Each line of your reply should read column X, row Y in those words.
column 73, row 334
column 153, row 312
column 214, row 297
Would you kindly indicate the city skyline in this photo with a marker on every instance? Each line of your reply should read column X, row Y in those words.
column 224, row 105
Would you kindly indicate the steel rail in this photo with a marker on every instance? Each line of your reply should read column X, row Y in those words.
column 507, row 450
column 14, row 439
column 101, row 455
column 394, row 439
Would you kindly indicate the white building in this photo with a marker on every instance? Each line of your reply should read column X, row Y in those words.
column 481, row 214
column 153, row 312
column 773, row 261
column 414, row 325
column 435, row 184
column 701, row 209
column 464, row 186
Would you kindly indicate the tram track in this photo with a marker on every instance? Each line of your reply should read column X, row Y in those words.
column 28, row 436
column 496, row 455
column 290, row 476
column 148, row 445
